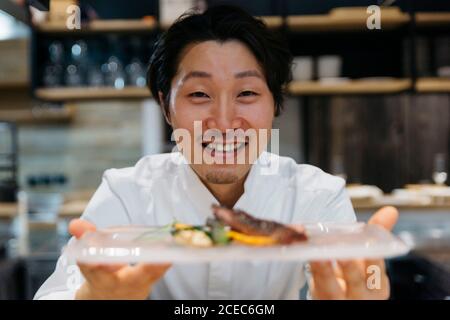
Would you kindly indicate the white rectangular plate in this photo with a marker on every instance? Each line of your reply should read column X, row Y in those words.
column 156, row 245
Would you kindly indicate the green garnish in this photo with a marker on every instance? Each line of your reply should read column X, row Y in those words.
column 214, row 229
column 219, row 232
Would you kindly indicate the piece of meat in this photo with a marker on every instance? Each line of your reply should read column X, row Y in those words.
column 243, row 222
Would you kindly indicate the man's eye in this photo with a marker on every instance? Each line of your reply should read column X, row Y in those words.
column 198, row 94
column 247, row 93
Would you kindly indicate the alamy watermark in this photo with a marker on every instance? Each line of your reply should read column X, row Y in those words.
column 73, row 21
column 373, row 22
column 373, row 277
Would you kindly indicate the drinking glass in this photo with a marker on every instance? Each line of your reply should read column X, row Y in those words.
column 439, row 169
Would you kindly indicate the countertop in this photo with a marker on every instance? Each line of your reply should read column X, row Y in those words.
column 73, row 206
column 76, row 202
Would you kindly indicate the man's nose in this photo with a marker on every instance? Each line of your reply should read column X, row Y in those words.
column 224, row 117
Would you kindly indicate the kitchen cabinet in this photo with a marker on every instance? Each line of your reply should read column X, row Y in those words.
column 12, row 279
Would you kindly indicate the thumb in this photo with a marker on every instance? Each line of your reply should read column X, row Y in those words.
column 78, row 227
column 386, row 217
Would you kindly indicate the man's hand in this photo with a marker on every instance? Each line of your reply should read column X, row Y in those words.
column 348, row 279
column 114, row 281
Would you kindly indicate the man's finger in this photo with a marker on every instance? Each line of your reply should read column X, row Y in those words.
column 103, row 267
column 326, row 285
column 78, row 227
column 112, row 267
column 96, row 274
column 379, row 276
column 376, row 262
column 143, row 272
column 386, row 217
column 355, row 279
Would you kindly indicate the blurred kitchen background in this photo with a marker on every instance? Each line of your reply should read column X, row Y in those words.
column 370, row 105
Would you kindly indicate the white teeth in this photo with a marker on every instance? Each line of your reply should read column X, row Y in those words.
column 228, row 147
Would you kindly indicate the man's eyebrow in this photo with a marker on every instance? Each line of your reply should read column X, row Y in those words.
column 239, row 75
column 196, row 74
column 248, row 73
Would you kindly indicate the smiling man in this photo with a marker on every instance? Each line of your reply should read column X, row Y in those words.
column 224, row 71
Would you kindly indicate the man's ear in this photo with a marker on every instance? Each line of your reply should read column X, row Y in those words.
column 165, row 110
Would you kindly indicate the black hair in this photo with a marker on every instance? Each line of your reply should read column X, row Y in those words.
column 220, row 23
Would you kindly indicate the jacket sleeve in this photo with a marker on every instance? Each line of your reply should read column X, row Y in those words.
column 338, row 207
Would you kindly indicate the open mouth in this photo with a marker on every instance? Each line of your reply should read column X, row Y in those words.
column 225, row 149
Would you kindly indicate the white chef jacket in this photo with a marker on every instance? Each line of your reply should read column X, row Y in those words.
column 162, row 188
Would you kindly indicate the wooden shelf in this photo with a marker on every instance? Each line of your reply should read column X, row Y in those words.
column 433, row 85
column 272, row 22
column 69, row 210
column 338, row 19
column 39, row 115
column 426, row 19
column 346, row 19
column 402, row 206
column 295, row 88
column 86, row 93
column 6, row 85
column 349, row 87
column 8, row 210
column 73, row 206
column 101, row 26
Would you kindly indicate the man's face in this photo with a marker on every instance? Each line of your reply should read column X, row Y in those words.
column 223, row 86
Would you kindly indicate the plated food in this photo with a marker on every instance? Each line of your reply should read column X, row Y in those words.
column 235, row 236
column 238, row 226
